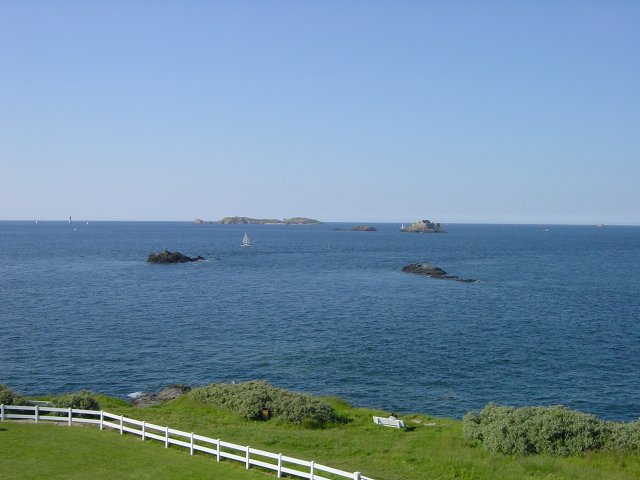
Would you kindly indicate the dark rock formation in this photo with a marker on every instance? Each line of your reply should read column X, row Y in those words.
column 199, row 221
column 424, row 226
column 364, row 228
column 148, row 399
column 171, row 257
column 433, row 272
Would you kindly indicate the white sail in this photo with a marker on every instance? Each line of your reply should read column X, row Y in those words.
column 245, row 241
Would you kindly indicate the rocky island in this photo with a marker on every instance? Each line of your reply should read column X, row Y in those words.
column 364, row 228
column 268, row 221
column 424, row 226
column 171, row 257
column 434, row 272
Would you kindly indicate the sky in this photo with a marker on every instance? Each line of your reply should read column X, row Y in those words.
column 352, row 110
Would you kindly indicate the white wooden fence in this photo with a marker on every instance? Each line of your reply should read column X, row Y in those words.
column 282, row 464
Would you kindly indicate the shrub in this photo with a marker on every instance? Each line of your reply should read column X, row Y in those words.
column 554, row 430
column 624, row 437
column 83, row 400
column 259, row 400
column 9, row 397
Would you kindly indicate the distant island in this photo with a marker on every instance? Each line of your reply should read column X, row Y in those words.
column 424, row 226
column 268, row 221
column 363, row 228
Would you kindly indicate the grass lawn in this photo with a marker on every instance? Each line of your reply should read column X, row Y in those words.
column 420, row 452
column 50, row 451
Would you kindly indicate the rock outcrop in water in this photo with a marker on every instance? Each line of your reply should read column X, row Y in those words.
column 363, row 228
column 424, row 226
column 433, row 272
column 171, row 257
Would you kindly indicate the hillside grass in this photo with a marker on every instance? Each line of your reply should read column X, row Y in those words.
column 420, row 452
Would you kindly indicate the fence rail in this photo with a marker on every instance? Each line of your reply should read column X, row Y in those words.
column 250, row 457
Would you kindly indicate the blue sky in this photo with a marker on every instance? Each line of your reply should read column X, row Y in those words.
column 496, row 112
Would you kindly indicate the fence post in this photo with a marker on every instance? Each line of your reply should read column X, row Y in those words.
column 2, row 412
column 70, row 416
column 191, row 449
column 36, row 414
column 218, row 449
column 101, row 419
column 356, row 475
column 279, row 465
column 247, row 463
column 311, row 472
column 166, row 437
column 121, row 424
column 144, row 430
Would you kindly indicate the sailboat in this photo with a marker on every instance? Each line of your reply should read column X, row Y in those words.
column 245, row 240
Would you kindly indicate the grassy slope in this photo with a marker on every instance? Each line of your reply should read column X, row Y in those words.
column 423, row 452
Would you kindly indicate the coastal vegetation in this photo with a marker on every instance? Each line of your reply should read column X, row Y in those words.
column 84, row 400
column 258, row 400
column 430, row 448
column 554, row 430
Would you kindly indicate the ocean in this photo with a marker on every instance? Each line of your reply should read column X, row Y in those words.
column 553, row 319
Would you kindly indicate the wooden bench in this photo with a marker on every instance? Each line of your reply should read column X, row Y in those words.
column 389, row 422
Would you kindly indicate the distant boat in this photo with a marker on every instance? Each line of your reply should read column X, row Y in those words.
column 69, row 219
column 402, row 227
column 600, row 225
column 245, row 241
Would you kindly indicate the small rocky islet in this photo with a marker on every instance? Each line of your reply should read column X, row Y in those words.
column 364, row 228
column 424, row 226
column 172, row 257
column 434, row 272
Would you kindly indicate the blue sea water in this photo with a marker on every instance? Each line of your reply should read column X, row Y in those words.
column 554, row 318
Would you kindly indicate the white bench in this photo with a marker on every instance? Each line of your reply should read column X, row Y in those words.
column 389, row 422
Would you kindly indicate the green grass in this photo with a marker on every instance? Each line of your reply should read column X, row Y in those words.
column 51, row 451
column 420, row 452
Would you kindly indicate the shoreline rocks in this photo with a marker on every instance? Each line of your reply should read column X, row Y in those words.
column 434, row 272
column 149, row 399
column 171, row 257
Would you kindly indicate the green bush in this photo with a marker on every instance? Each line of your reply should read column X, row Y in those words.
column 259, row 400
column 9, row 397
column 624, row 437
column 554, row 430
column 83, row 400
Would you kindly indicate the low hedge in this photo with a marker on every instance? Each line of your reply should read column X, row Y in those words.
column 82, row 400
column 9, row 397
column 259, row 400
column 554, row 430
